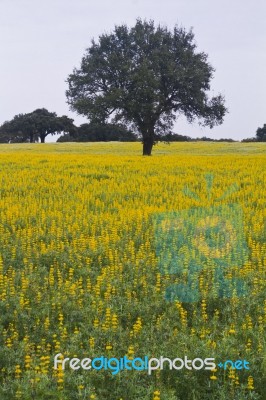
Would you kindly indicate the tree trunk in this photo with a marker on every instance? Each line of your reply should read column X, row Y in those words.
column 42, row 138
column 31, row 138
column 147, row 145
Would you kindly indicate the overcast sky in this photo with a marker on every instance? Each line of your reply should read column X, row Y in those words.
column 42, row 41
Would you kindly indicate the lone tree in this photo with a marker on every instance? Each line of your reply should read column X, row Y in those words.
column 145, row 76
column 37, row 124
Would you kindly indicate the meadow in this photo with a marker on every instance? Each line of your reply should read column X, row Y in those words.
column 81, row 273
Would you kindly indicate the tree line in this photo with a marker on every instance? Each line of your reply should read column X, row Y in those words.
column 132, row 84
column 34, row 127
column 37, row 125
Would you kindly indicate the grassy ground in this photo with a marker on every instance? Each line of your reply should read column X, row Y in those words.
column 115, row 148
column 108, row 253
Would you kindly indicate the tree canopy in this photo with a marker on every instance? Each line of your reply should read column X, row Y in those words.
column 20, row 129
column 145, row 76
column 261, row 134
column 32, row 126
column 100, row 133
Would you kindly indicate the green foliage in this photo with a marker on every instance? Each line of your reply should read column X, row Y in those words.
column 100, row 133
column 261, row 134
column 248, row 140
column 207, row 139
column 19, row 129
column 32, row 126
column 66, row 138
column 175, row 137
column 145, row 76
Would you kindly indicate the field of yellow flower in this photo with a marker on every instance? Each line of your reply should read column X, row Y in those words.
column 84, row 246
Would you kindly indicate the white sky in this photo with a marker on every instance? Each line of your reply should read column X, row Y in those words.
column 42, row 41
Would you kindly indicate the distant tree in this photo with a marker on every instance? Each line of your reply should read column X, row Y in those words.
column 207, row 139
column 35, row 125
column 100, row 133
column 146, row 76
column 4, row 136
column 175, row 137
column 228, row 140
column 204, row 139
column 20, row 129
column 66, row 138
column 261, row 134
column 49, row 123
column 248, row 140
